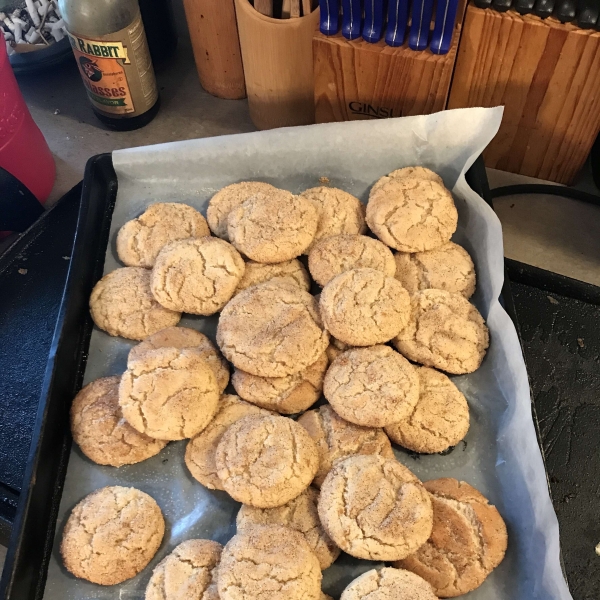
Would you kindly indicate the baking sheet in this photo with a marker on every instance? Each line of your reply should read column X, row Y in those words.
column 500, row 455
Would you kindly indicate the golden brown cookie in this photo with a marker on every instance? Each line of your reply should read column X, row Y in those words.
column 375, row 508
column 111, row 535
column 184, row 337
column 299, row 514
column 286, row 395
column 230, row 197
column 388, row 584
column 363, row 307
column 139, row 241
column 190, row 571
column 468, row 540
column 413, row 172
column 336, row 439
column 292, row 271
column 273, row 228
column 373, row 386
column 201, row 449
column 272, row 330
column 444, row 331
column 269, row 562
column 122, row 304
column 448, row 267
column 439, row 420
column 101, row 432
column 266, row 461
column 412, row 215
column 169, row 393
column 339, row 253
column 339, row 212
column 197, row 276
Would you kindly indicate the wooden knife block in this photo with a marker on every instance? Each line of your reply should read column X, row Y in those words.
column 547, row 76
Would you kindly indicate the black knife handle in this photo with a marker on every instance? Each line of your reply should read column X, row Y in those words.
column 543, row 8
column 587, row 13
column 501, row 5
column 566, row 10
column 524, row 7
column 483, row 3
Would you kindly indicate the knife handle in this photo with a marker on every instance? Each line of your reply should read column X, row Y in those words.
column 445, row 16
column 543, row 8
column 566, row 11
column 418, row 36
column 524, row 7
column 397, row 22
column 587, row 14
column 483, row 3
column 330, row 16
column 501, row 5
column 373, row 27
column 351, row 19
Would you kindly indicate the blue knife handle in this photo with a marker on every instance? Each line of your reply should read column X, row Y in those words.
column 373, row 27
column 330, row 16
column 351, row 19
column 445, row 17
column 418, row 36
column 397, row 22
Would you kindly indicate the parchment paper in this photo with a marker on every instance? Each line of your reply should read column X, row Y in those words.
column 500, row 455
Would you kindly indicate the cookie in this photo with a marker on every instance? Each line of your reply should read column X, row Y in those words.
column 139, row 241
column 338, row 211
column 197, row 276
column 286, row 395
column 413, row 172
column 269, row 562
column 111, row 535
column 448, row 267
column 444, row 331
column 336, row 254
column 336, row 439
column 122, row 304
column 266, row 461
column 273, row 228
column 101, row 432
column 272, row 330
column 468, row 540
column 363, row 307
column 412, row 215
column 439, row 420
column 230, row 197
column 373, row 387
column 375, row 508
column 325, row 597
column 292, row 271
column 201, row 449
column 184, row 337
column 190, row 571
column 299, row 514
column 388, row 584
column 169, row 393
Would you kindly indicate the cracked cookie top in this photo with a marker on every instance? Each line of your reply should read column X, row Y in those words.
column 336, row 438
column 266, row 461
column 299, row 514
column 111, row 535
column 201, row 449
column 190, row 571
column 292, row 271
column 363, row 307
column 229, row 198
column 269, row 562
column 101, row 432
column 336, row 254
column 169, row 393
column 444, row 331
column 272, row 329
column 375, row 508
column 448, row 267
column 439, row 420
column 468, row 540
column 412, row 215
column 197, row 276
column 184, row 337
column 140, row 240
column 122, row 304
column 373, row 386
column 388, row 584
column 273, row 228
column 414, row 172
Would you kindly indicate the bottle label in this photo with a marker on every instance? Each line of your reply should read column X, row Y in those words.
column 117, row 70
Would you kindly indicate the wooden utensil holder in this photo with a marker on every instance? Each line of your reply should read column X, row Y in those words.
column 547, row 76
column 278, row 66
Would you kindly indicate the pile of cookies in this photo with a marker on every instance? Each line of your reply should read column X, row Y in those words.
column 377, row 342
